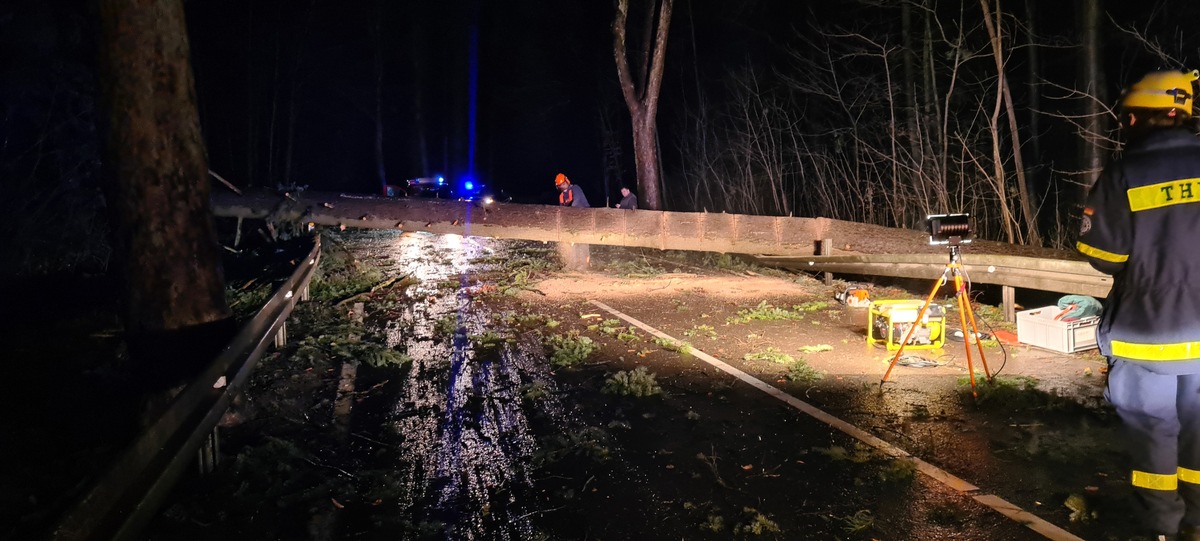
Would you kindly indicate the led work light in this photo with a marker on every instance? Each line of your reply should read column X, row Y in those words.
column 951, row 229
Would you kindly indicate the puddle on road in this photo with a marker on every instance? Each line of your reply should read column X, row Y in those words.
column 467, row 445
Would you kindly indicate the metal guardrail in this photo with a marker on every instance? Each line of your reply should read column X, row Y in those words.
column 1061, row 276
column 131, row 491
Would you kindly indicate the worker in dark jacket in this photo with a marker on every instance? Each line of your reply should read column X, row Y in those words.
column 1140, row 226
column 571, row 195
column 628, row 199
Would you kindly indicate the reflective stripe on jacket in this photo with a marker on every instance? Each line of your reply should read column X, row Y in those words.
column 1141, row 224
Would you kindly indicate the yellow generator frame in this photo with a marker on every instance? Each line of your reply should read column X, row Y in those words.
column 897, row 315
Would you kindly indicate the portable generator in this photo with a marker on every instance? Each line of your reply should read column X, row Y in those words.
column 889, row 321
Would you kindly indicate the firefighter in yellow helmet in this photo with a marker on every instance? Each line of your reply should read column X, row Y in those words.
column 570, row 195
column 1140, row 226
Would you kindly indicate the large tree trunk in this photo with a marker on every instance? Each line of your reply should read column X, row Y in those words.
column 699, row 231
column 157, row 189
column 642, row 99
column 645, row 153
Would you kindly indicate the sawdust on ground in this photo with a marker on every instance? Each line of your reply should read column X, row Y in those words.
column 726, row 287
column 1079, row 375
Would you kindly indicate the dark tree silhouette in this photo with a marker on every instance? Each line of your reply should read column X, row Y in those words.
column 641, row 96
column 157, row 191
column 1091, row 66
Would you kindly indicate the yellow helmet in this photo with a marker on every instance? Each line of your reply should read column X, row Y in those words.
column 1163, row 90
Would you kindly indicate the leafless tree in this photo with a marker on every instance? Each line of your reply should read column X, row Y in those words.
column 994, row 27
column 641, row 95
column 870, row 125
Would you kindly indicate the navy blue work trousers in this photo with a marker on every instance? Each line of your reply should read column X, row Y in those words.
column 1161, row 418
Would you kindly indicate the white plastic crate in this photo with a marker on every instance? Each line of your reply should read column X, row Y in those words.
column 1038, row 328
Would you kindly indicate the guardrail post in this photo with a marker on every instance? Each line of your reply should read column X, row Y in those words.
column 1008, row 296
column 826, row 248
column 304, row 295
column 281, row 336
column 208, row 455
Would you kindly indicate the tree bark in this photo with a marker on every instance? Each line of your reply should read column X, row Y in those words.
column 1092, row 14
column 641, row 97
column 157, row 189
column 647, row 44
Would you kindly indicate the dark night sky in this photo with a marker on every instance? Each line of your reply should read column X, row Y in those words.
column 537, row 86
column 546, row 74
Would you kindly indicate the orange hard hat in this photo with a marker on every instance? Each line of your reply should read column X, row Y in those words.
column 561, row 179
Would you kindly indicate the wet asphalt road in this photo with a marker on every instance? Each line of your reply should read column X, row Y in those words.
column 467, row 452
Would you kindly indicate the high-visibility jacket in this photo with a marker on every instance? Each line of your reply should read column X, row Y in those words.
column 573, row 197
column 1141, row 224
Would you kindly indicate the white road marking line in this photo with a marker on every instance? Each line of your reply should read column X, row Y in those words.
column 1000, row 505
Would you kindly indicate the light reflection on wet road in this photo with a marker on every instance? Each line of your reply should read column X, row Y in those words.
column 467, row 444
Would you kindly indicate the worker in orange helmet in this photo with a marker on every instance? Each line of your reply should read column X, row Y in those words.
column 572, row 195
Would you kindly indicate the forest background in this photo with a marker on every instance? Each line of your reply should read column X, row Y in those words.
column 873, row 111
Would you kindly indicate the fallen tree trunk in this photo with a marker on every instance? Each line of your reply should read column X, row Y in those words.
column 700, row 231
column 1063, row 276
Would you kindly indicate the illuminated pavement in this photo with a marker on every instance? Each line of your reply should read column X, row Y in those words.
column 466, row 444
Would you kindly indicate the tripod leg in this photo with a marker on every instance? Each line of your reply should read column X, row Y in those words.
column 963, row 306
column 908, row 335
column 975, row 329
